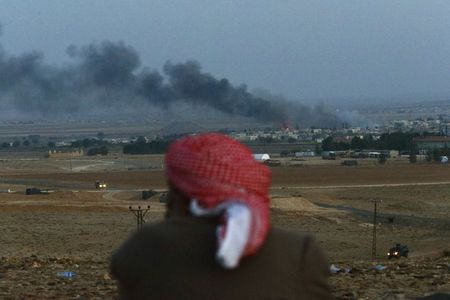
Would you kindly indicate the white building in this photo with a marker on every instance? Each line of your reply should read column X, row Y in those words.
column 261, row 157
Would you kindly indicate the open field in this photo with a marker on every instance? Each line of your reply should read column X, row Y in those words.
column 77, row 227
column 146, row 172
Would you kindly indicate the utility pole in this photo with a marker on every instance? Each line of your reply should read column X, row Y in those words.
column 374, row 233
column 139, row 213
column 70, row 161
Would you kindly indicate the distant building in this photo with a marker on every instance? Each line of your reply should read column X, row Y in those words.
column 377, row 153
column 62, row 144
column 431, row 142
column 65, row 154
column 391, row 153
column 305, row 154
column 261, row 157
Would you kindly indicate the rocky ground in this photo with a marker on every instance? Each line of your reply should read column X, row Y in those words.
column 401, row 279
column 76, row 228
column 39, row 278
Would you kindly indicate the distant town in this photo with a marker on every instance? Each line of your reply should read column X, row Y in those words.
column 411, row 134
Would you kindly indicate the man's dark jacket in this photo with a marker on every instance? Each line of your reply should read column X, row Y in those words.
column 174, row 259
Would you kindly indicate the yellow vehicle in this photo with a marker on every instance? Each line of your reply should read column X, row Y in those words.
column 100, row 184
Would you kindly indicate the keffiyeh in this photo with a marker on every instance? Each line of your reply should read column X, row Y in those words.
column 221, row 177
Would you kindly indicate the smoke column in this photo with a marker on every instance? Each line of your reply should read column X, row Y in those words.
column 110, row 74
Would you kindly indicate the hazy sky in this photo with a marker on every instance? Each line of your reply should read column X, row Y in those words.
column 302, row 49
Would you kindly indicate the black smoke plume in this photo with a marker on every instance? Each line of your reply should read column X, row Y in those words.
column 110, row 74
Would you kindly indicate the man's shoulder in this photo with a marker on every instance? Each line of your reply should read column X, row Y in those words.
column 290, row 244
column 169, row 231
column 153, row 229
column 139, row 239
column 138, row 246
column 153, row 233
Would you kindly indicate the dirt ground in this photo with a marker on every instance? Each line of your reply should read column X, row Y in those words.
column 76, row 227
column 283, row 177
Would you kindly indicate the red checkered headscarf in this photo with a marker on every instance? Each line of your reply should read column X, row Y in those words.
column 214, row 169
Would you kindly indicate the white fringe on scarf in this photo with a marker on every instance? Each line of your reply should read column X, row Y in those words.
column 238, row 219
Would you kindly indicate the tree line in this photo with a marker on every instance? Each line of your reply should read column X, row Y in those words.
column 393, row 141
column 142, row 146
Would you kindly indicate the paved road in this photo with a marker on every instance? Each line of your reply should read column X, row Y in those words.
column 45, row 183
column 60, row 184
column 363, row 185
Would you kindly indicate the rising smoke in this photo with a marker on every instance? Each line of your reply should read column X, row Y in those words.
column 110, row 74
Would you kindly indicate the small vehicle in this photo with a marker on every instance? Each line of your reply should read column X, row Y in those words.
column 100, row 184
column 36, row 191
column 398, row 251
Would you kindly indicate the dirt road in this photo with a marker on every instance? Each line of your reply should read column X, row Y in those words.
column 304, row 176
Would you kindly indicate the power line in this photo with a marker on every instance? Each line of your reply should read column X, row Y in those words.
column 374, row 233
column 139, row 213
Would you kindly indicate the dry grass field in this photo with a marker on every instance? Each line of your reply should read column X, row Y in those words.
column 76, row 227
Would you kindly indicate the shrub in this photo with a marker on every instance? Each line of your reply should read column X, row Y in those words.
column 142, row 147
column 98, row 151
